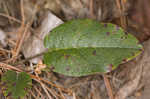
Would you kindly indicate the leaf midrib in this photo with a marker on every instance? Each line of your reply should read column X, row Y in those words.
column 57, row 49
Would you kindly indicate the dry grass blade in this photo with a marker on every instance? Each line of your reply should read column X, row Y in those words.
column 37, row 90
column 53, row 92
column 63, row 97
column 9, row 67
column 20, row 40
column 35, row 97
column 43, row 86
column 74, row 96
column 91, row 5
column 121, row 7
column 10, row 18
column 108, row 87
column 22, row 13
column 22, row 32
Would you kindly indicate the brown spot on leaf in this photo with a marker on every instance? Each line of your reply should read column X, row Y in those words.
column 3, row 84
column 117, row 28
column 4, row 89
column 66, row 56
column 105, row 25
column 122, row 38
column 9, row 94
column 14, row 84
column 25, row 89
column 108, row 33
column 124, row 60
column 94, row 52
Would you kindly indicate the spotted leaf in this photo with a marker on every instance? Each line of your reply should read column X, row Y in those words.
column 15, row 84
column 83, row 47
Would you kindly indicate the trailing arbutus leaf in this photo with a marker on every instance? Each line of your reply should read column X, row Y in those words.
column 83, row 47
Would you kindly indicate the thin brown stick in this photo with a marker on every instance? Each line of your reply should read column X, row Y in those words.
column 63, row 97
column 10, row 18
column 4, row 50
column 50, row 83
column 118, row 5
column 29, row 58
column 124, row 18
column 35, row 97
column 18, row 21
column 74, row 96
column 43, row 86
column 7, row 13
column 23, row 32
column 108, row 87
column 53, row 92
column 37, row 90
column 121, row 7
column 91, row 6
column 6, row 66
column 22, row 13
column 20, row 41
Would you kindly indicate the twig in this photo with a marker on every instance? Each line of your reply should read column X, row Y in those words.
column 91, row 6
column 63, row 97
column 108, row 87
column 29, row 58
column 22, row 13
column 53, row 92
column 50, row 83
column 18, row 21
column 74, row 96
column 39, row 93
column 6, row 66
column 7, row 12
column 35, row 97
column 43, row 86
column 7, row 51
column 20, row 41
column 10, row 18
column 23, row 32
column 121, row 7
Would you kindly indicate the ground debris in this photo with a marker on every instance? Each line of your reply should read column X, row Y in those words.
column 34, row 44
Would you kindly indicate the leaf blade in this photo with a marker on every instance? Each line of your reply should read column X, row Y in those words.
column 86, row 40
column 16, row 83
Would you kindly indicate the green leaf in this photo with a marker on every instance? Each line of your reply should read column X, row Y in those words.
column 15, row 84
column 83, row 47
